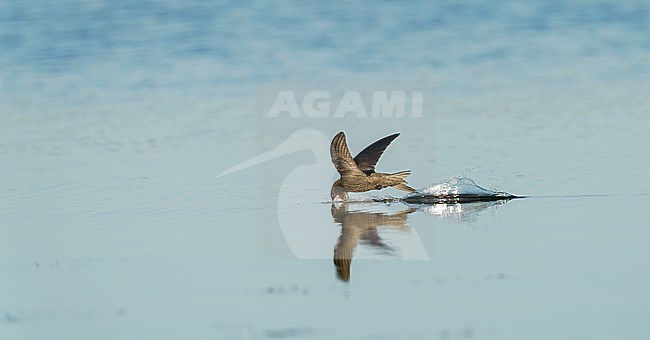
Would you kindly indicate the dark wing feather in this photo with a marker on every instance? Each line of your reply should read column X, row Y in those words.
column 368, row 157
column 341, row 157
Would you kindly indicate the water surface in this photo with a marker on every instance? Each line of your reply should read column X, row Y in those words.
column 116, row 117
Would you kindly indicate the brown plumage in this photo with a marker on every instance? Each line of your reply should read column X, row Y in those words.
column 358, row 173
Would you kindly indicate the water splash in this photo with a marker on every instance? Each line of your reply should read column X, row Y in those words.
column 459, row 189
column 455, row 190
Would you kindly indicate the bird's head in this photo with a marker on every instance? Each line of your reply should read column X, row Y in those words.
column 337, row 193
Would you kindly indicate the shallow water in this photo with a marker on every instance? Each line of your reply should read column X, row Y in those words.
column 115, row 119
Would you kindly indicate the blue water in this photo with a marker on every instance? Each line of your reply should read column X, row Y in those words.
column 122, row 49
column 116, row 116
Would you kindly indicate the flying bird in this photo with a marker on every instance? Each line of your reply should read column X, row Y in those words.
column 358, row 173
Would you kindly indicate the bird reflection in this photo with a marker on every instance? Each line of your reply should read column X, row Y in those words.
column 361, row 226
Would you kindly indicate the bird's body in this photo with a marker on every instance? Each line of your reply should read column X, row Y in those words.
column 374, row 181
column 358, row 173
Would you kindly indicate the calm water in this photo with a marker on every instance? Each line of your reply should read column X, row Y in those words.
column 116, row 117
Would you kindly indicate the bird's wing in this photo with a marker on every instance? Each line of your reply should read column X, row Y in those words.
column 341, row 157
column 368, row 157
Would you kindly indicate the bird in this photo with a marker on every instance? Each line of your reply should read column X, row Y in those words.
column 358, row 173
column 284, row 233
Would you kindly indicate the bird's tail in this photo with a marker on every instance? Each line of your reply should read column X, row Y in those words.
column 404, row 187
column 401, row 182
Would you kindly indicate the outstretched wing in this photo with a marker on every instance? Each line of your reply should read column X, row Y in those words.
column 341, row 157
column 368, row 157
